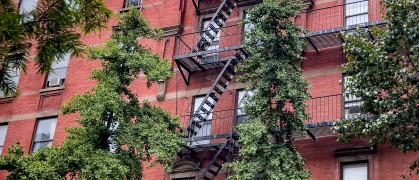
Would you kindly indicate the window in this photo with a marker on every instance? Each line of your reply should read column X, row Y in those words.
column 351, row 103
column 205, row 130
column 128, row 3
column 27, row 6
column 3, row 130
column 14, row 75
column 208, row 58
column 356, row 12
column 354, row 170
column 44, row 134
column 58, row 72
column 242, row 95
column 247, row 27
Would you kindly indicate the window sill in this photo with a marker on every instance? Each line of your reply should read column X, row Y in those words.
column 49, row 89
column 127, row 9
column 4, row 100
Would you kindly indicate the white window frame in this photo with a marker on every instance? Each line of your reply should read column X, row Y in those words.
column 356, row 12
column 209, row 58
column 241, row 115
column 15, row 75
column 51, row 131
column 27, row 6
column 127, row 3
column 3, row 132
column 348, row 169
column 59, row 65
column 205, row 129
column 352, row 103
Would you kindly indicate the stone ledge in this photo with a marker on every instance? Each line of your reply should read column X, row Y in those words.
column 50, row 89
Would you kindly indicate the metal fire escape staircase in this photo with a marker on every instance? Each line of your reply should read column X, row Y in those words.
column 206, row 39
column 200, row 116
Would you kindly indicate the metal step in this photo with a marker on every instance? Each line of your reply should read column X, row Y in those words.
column 226, row 146
column 215, row 92
column 217, row 21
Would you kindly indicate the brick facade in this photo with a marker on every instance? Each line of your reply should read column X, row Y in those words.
column 319, row 68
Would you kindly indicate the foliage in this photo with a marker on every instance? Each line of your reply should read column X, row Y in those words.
column 384, row 73
column 53, row 27
column 277, row 109
column 117, row 134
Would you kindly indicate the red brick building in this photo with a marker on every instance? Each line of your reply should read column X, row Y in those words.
column 203, row 40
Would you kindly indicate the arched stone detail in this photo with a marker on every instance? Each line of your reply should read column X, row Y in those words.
column 185, row 167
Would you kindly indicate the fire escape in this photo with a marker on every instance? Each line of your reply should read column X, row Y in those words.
column 201, row 51
column 196, row 60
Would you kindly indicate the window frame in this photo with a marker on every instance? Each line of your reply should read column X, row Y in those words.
column 214, row 45
column 5, row 134
column 127, row 3
column 345, row 17
column 13, row 73
column 342, row 164
column 36, row 129
column 358, row 100
column 236, row 106
column 62, row 80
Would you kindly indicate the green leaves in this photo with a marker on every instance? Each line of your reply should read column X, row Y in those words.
column 277, row 109
column 384, row 74
column 52, row 27
column 118, row 136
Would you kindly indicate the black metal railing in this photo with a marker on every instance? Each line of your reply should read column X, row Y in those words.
column 323, row 18
column 340, row 15
column 228, row 36
column 321, row 109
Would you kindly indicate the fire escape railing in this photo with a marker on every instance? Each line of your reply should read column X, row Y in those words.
column 229, row 36
column 341, row 15
column 323, row 110
column 317, row 21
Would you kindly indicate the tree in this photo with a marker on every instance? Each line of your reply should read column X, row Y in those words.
column 384, row 73
column 53, row 27
column 277, row 109
column 117, row 134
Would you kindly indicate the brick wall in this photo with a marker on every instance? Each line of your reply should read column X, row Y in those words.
column 320, row 69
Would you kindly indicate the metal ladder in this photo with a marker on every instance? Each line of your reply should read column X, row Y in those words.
column 216, row 23
column 224, row 152
column 217, row 89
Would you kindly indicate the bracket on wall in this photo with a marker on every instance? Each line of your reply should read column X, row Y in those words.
column 196, row 4
column 180, row 66
column 341, row 38
column 311, row 135
column 312, row 44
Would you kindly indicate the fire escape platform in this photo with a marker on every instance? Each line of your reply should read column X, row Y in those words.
column 328, row 38
column 189, row 61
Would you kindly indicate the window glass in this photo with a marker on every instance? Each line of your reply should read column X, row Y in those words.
column 59, row 68
column 27, row 6
column 351, row 102
column 205, row 130
column 242, row 95
column 356, row 19
column 132, row 2
column 358, row 171
column 247, row 26
column 215, row 43
column 15, row 74
column 356, row 12
column 44, row 135
column 3, row 130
